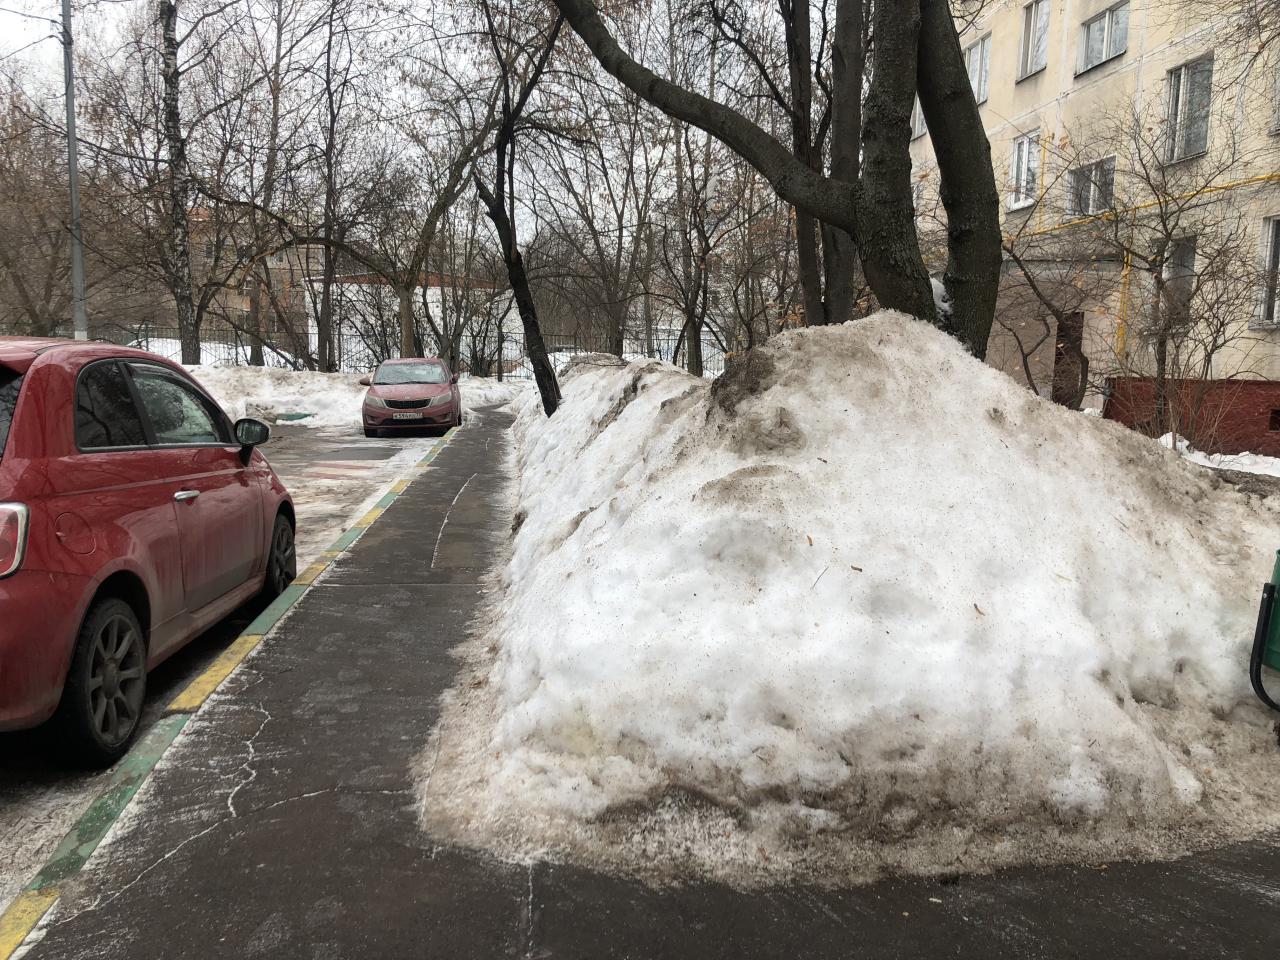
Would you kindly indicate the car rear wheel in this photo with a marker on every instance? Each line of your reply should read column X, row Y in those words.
column 282, row 560
column 102, row 701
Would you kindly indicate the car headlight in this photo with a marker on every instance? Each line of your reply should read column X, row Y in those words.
column 375, row 401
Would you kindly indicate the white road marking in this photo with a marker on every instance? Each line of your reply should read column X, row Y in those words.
column 448, row 513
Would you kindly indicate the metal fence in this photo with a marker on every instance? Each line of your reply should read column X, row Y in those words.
column 358, row 353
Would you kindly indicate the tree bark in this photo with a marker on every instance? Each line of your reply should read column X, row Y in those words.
column 793, row 180
column 535, row 348
column 848, row 61
column 178, row 242
column 886, row 230
column 968, row 186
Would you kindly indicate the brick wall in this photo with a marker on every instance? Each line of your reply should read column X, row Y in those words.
column 1217, row 416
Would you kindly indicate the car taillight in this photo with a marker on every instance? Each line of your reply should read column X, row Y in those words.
column 13, row 536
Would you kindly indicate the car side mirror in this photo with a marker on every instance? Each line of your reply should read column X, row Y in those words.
column 455, row 379
column 249, row 434
column 366, row 382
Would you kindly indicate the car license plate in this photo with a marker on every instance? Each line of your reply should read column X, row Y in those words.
column 406, row 416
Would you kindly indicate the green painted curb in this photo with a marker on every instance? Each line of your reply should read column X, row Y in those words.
column 78, row 845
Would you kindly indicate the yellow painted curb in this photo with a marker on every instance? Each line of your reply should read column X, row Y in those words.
column 308, row 576
column 17, row 922
column 369, row 517
column 190, row 699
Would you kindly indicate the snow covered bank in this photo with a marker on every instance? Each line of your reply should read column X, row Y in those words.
column 864, row 603
column 332, row 399
column 1244, row 462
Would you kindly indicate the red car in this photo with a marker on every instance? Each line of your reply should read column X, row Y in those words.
column 411, row 394
column 133, row 515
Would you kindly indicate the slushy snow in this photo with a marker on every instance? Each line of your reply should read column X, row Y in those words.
column 862, row 604
column 331, row 399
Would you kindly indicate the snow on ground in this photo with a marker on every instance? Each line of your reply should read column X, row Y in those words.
column 332, row 399
column 1244, row 462
column 864, row 604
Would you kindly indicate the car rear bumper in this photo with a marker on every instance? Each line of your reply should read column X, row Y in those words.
column 39, row 616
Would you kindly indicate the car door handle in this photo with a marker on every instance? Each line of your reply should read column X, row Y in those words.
column 186, row 494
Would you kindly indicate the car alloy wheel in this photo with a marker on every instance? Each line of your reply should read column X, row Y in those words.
column 282, row 564
column 117, row 679
column 101, row 706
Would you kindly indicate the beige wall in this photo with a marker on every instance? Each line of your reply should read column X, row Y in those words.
column 1080, row 116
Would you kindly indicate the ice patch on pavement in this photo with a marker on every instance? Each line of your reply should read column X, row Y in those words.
column 862, row 604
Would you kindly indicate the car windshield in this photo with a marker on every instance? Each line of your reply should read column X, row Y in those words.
column 392, row 373
column 10, row 384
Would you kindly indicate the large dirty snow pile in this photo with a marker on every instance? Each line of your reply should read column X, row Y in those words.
column 330, row 399
column 862, row 603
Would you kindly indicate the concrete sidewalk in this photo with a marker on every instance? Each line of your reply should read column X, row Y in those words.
column 282, row 824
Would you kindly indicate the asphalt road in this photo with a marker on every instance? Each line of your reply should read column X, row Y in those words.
column 334, row 475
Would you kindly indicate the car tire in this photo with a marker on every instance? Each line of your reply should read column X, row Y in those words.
column 101, row 706
column 371, row 432
column 282, row 558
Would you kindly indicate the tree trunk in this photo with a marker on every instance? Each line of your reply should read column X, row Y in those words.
column 535, row 348
column 178, row 242
column 1070, row 365
column 886, row 230
column 407, row 346
column 967, row 181
column 848, row 61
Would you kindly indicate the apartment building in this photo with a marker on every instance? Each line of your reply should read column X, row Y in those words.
column 1137, row 148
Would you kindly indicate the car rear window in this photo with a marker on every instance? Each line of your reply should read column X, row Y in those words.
column 10, row 384
column 105, row 412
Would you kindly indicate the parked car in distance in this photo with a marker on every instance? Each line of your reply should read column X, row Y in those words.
column 411, row 394
column 133, row 515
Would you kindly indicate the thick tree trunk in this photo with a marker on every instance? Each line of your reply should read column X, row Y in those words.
column 848, row 60
column 178, row 242
column 405, row 310
column 886, row 230
column 968, row 186
column 324, row 319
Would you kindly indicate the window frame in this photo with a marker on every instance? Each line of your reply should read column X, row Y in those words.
column 1176, row 124
column 1016, row 201
column 1086, row 169
column 1108, row 17
column 983, row 47
column 1270, row 306
column 148, row 437
column 1027, row 44
column 216, row 413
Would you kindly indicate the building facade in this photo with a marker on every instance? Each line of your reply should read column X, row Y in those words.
column 1137, row 149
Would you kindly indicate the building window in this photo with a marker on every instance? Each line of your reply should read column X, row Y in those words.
column 917, row 121
column 1035, row 38
column 1103, row 37
column 977, row 57
column 1026, row 169
column 1274, row 422
column 1271, row 276
column 1092, row 187
column 1179, row 279
column 1190, row 89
